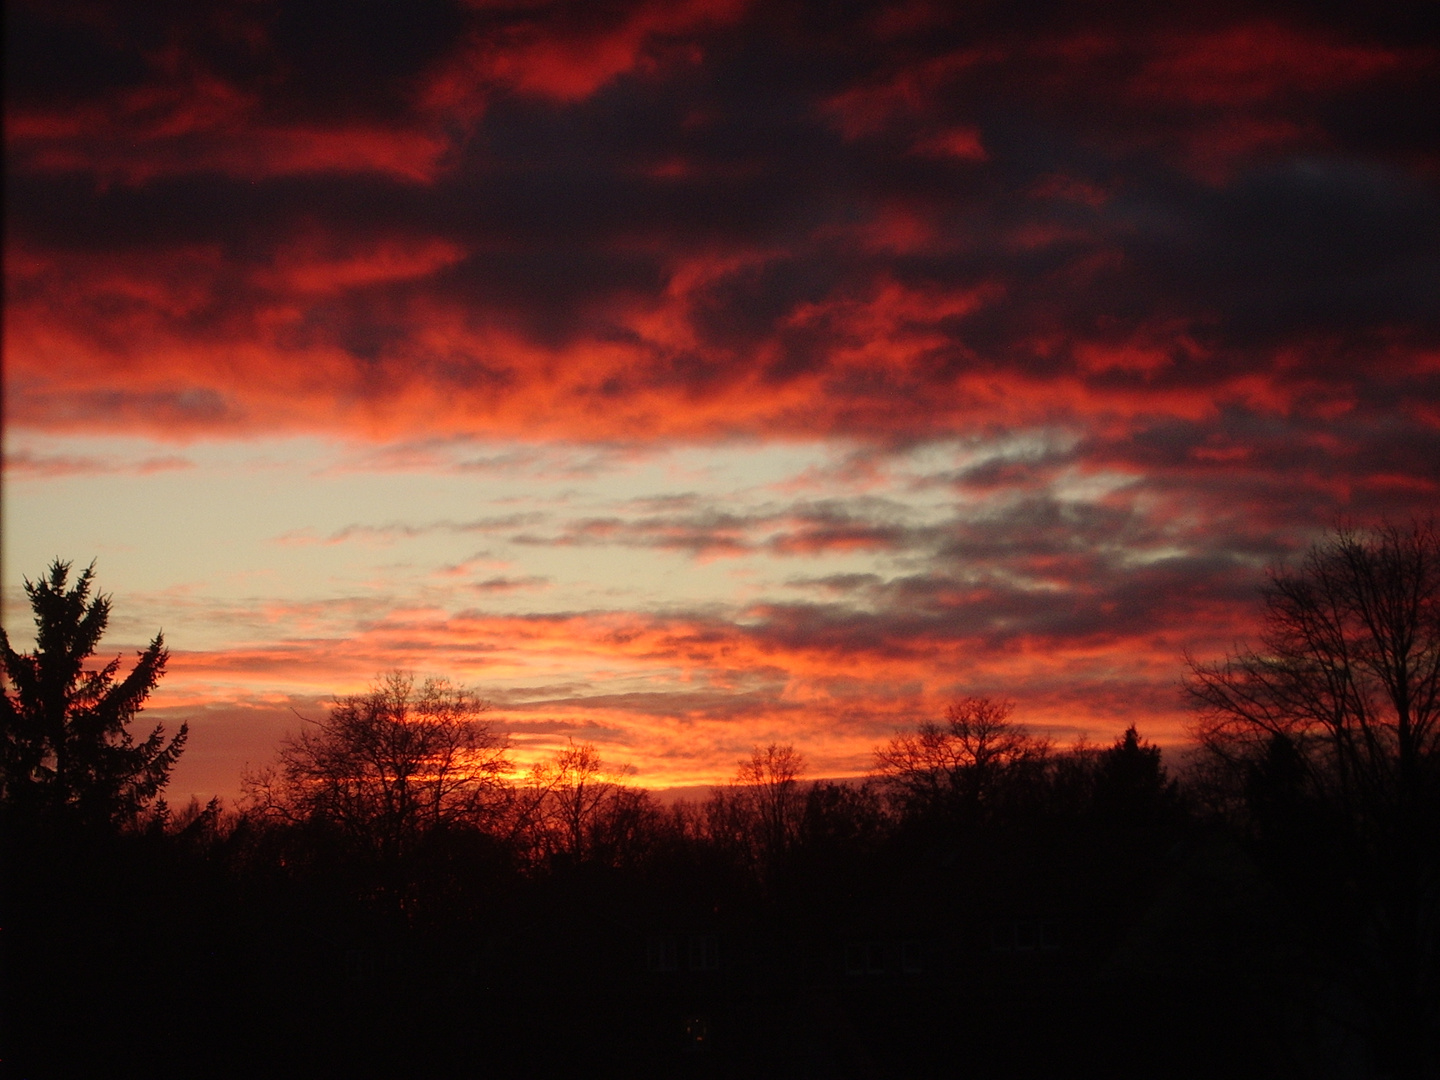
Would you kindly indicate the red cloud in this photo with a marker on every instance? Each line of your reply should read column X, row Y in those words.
column 317, row 264
column 184, row 119
column 559, row 56
column 910, row 93
column 960, row 142
column 204, row 125
column 184, row 341
column 1260, row 61
column 25, row 463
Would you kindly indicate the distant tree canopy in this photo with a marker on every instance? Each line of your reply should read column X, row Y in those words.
column 66, row 750
column 389, row 766
column 981, row 768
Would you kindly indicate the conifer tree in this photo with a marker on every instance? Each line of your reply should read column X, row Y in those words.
column 66, row 750
column 1131, row 783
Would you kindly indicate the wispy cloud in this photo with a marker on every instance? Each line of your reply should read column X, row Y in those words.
column 23, row 464
column 396, row 530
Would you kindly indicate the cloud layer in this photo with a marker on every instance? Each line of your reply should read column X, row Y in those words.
column 707, row 218
column 1169, row 273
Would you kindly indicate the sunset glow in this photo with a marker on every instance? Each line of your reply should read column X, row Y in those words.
column 692, row 376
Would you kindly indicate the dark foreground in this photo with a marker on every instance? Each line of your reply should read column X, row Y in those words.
column 1079, row 952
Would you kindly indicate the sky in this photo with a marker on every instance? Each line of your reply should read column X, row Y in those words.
column 698, row 374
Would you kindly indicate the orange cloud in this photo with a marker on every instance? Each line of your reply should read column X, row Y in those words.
column 682, row 699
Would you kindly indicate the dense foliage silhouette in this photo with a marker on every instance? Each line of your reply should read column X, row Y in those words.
column 390, row 900
column 66, row 749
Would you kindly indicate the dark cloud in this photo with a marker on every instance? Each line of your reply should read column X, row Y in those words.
column 503, row 584
column 1061, row 214
column 800, row 528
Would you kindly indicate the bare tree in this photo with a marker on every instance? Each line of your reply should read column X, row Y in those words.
column 769, row 782
column 1330, row 730
column 958, row 767
column 757, row 816
column 573, row 802
column 630, row 827
column 388, row 766
column 1348, row 673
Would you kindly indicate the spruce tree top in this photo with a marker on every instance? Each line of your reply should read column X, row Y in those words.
column 66, row 750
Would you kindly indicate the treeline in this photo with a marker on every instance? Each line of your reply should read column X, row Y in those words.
column 392, row 896
column 406, row 769
column 389, row 897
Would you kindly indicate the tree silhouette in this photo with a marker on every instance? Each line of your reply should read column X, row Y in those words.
column 959, row 768
column 1131, row 783
column 768, row 786
column 389, row 766
column 753, row 821
column 66, row 749
column 1331, row 732
column 575, row 802
column 1348, row 671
